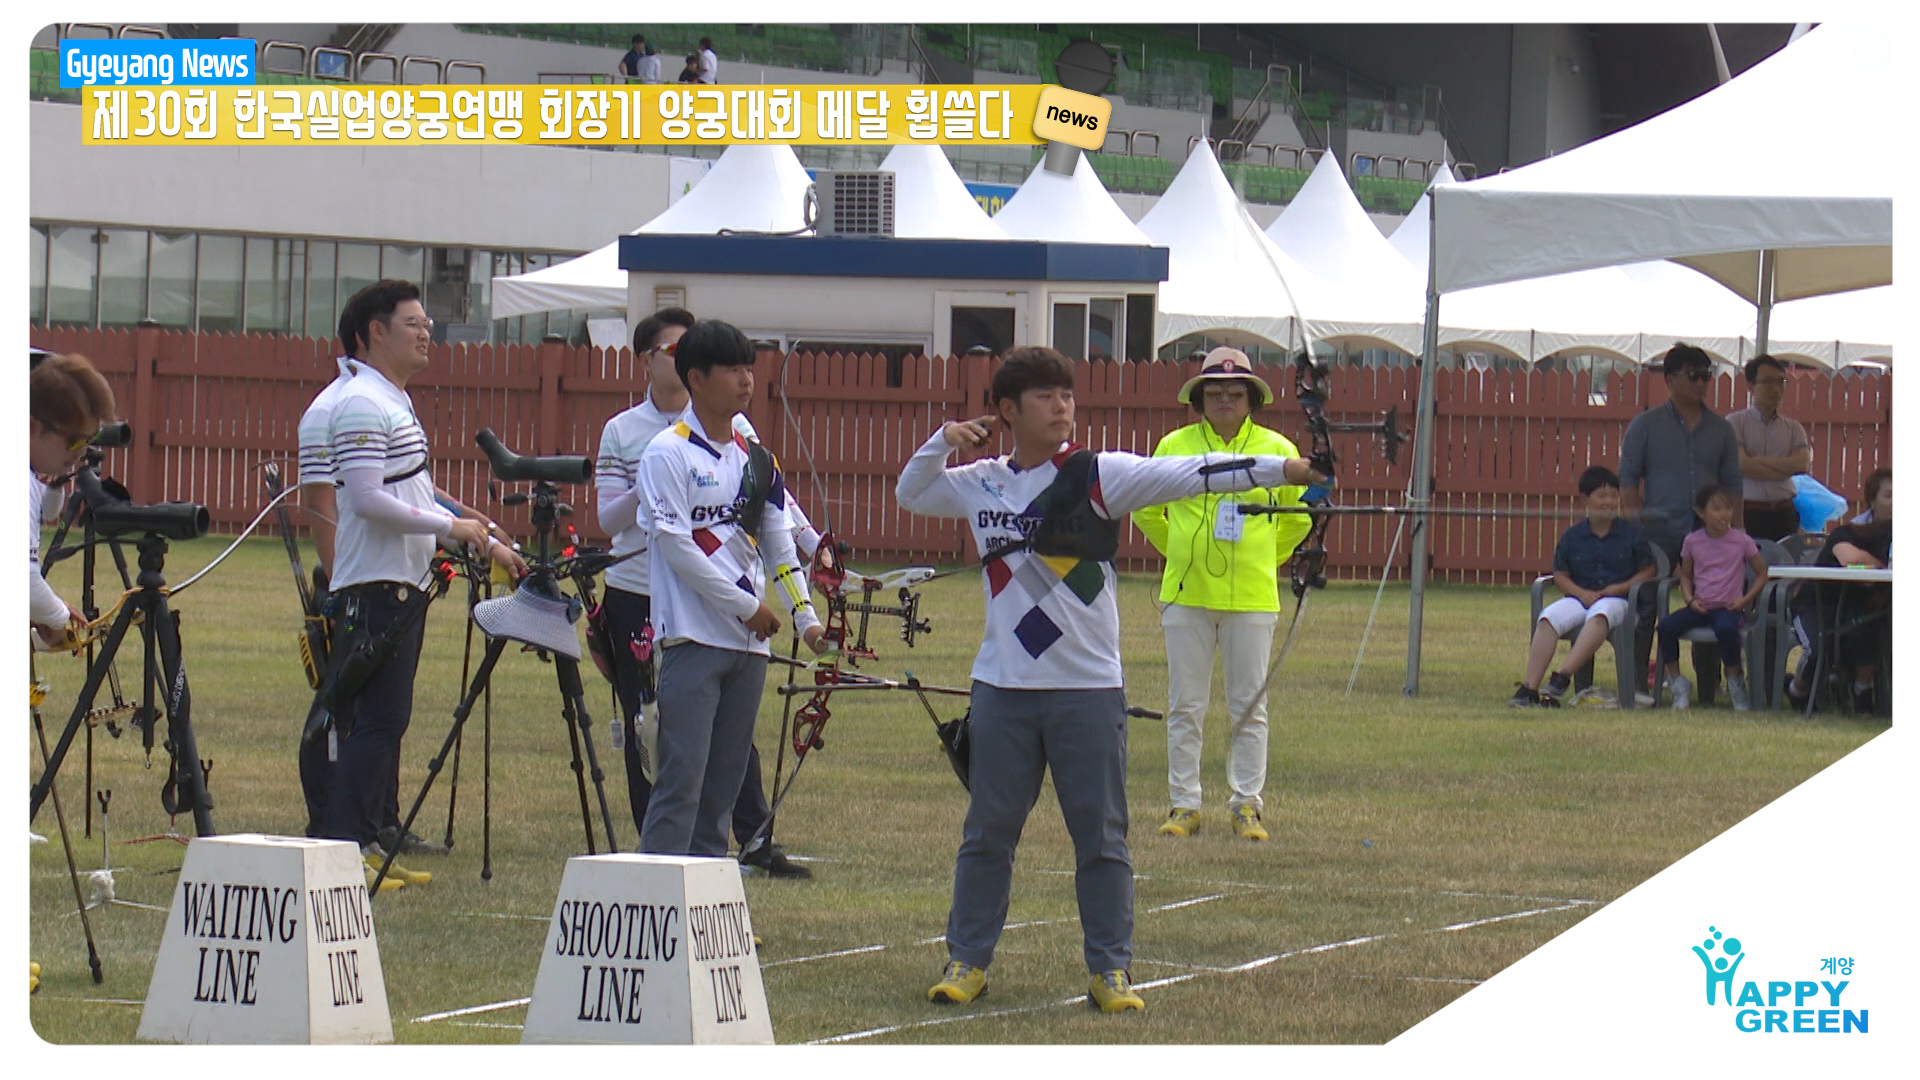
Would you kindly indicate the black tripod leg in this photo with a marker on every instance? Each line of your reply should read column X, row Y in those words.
column 569, row 716
column 164, row 624
column 73, row 872
column 453, row 785
column 96, row 675
column 495, row 646
column 569, row 672
column 486, row 786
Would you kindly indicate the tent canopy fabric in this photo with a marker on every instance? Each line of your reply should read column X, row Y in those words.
column 929, row 199
column 1368, row 295
column 1074, row 209
column 1692, row 185
column 750, row 188
column 1226, row 279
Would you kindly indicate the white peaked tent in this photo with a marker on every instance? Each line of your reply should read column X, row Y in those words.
column 1370, row 292
column 1686, row 185
column 1074, row 209
column 755, row 188
column 1232, row 280
column 929, row 199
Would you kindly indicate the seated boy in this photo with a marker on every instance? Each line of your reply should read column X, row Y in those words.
column 1595, row 564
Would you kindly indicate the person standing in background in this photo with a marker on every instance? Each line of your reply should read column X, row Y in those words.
column 1773, row 450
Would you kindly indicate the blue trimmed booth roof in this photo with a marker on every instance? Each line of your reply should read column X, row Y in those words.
column 835, row 256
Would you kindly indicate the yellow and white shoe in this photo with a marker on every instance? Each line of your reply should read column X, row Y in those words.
column 1246, row 823
column 1181, row 822
column 1113, row 992
column 959, row 983
column 396, row 872
column 33, row 976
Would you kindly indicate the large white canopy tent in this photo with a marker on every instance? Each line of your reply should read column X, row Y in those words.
column 930, row 201
column 1233, row 283
column 1685, row 186
column 1370, row 294
column 756, row 188
column 1075, row 209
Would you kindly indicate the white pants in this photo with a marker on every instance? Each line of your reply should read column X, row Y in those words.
column 1243, row 639
column 1567, row 615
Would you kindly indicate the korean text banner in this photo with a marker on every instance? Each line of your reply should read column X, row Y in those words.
column 561, row 115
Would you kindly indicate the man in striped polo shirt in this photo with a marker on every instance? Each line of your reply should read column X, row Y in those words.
column 389, row 525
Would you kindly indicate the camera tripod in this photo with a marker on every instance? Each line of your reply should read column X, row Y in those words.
column 76, row 512
column 543, row 577
column 186, row 786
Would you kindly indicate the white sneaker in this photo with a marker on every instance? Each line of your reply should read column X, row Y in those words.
column 1737, row 690
column 35, row 838
column 1682, row 691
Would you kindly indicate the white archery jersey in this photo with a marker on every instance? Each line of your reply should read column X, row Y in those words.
column 374, row 423
column 707, row 576
column 616, row 476
column 44, row 606
column 1053, row 622
column 316, row 426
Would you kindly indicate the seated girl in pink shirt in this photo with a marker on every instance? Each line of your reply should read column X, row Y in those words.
column 1713, row 561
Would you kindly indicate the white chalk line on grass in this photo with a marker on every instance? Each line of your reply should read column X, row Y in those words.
column 91, row 1001
column 1197, row 971
column 1076, row 918
column 479, row 1024
column 824, row 956
column 498, row 915
column 473, row 1010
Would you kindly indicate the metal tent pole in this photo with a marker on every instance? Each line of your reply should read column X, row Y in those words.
column 1763, row 325
column 1422, row 490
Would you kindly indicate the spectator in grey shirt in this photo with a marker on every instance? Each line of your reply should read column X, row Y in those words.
column 1670, row 452
column 1773, row 450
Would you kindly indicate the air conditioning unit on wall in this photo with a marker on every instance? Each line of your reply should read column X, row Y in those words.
column 852, row 203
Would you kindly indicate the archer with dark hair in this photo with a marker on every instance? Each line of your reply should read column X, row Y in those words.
column 1773, row 450
column 1047, row 687
column 717, row 510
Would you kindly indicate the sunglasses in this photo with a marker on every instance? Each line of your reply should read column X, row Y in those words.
column 668, row 349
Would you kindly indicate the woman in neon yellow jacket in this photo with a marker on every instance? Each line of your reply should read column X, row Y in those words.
column 1221, row 592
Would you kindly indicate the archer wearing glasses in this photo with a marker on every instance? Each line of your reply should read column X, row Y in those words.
column 1670, row 452
column 68, row 401
column 1773, row 450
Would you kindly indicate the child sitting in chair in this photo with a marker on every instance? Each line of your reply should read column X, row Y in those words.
column 1596, row 564
column 1713, row 561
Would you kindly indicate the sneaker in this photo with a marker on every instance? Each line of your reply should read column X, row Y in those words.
column 1798, row 701
column 1682, row 691
column 771, row 860
column 1554, row 693
column 373, row 856
column 411, row 844
column 1524, row 697
column 959, row 983
column 1181, row 822
column 1737, row 690
column 1246, row 823
column 1863, row 702
column 387, row 884
column 1113, row 992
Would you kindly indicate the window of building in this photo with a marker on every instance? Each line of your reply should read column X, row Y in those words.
column 404, row 262
column 1106, row 327
column 72, row 269
column 220, row 283
column 170, row 282
column 123, row 276
column 270, row 284
column 323, row 319
column 37, row 274
column 1070, row 330
column 359, row 267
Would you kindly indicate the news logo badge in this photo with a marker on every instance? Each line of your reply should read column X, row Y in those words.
column 1073, row 116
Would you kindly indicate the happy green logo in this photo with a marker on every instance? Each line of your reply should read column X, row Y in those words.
column 1722, row 956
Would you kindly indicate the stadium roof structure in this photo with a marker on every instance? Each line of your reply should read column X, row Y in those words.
column 750, row 188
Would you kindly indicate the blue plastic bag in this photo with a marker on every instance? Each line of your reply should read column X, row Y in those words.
column 1815, row 504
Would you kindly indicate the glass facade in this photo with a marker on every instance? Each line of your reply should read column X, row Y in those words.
column 89, row 275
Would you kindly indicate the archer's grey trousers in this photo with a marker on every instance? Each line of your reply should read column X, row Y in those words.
column 708, row 700
column 1017, row 736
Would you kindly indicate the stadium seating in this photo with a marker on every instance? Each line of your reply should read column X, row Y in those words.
column 801, row 47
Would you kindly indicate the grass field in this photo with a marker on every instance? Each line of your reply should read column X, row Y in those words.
column 1419, row 846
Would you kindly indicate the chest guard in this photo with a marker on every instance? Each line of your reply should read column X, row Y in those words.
column 1069, row 527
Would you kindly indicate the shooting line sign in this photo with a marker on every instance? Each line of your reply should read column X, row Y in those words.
column 270, row 940
column 649, row 949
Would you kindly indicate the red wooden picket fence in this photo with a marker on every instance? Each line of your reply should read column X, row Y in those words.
column 208, row 409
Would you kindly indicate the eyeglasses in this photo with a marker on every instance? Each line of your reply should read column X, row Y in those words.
column 419, row 325
column 1698, row 375
column 668, row 349
column 75, row 443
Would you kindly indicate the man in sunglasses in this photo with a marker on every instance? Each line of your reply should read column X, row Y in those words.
column 1669, row 453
